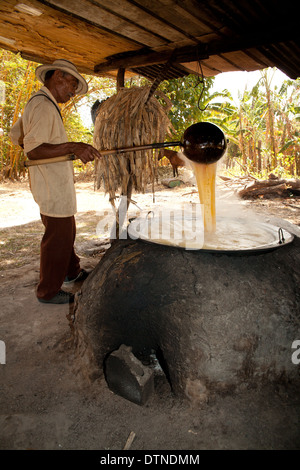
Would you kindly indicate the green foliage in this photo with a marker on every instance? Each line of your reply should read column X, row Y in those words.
column 189, row 96
column 17, row 76
column 265, row 126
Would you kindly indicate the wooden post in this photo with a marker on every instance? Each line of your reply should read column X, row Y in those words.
column 120, row 78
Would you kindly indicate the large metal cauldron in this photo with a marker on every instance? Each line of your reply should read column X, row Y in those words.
column 184, row 230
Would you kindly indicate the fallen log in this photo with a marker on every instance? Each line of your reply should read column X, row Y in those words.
column 271, row 188
column 279, row 190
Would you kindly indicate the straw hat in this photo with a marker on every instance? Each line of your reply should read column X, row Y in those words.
column 65, row 66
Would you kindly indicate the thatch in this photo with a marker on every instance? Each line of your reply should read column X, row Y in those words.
column 127, row 119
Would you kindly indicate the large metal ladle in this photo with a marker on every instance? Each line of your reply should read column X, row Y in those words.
column 203, row 142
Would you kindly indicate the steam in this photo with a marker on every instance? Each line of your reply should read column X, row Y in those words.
column 230, row 205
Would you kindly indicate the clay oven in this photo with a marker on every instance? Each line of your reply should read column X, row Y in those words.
column 218, row 322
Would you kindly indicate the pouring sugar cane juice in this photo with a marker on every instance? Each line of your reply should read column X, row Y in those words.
column 204, row 145
column 206, row 180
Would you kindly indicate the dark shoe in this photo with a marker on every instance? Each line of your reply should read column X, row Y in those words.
column 79, row 278
column 60, row 298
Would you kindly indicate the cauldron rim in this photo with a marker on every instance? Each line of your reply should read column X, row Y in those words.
column 284, row 238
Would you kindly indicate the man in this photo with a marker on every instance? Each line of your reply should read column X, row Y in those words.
column 52, row 184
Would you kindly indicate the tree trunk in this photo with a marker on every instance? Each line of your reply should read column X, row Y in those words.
column 259, row 165
column 271, row 133
column 242, row 141
column 297, row 164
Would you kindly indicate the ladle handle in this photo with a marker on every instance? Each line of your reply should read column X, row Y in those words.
column 140, row 147
column 66, row 158
column 166, row 144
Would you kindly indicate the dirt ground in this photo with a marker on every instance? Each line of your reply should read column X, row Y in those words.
column 45, row 404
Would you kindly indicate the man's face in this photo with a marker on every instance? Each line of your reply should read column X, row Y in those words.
column 66, row 86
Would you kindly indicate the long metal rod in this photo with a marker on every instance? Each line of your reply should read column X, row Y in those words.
column 66, row 158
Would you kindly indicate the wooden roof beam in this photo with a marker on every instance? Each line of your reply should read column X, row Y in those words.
column 184, row 54
column 194, row 53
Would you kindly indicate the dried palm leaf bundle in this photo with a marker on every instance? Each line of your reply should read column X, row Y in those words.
column 127, row 119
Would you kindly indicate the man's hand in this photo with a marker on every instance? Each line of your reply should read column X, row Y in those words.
column 86, row 152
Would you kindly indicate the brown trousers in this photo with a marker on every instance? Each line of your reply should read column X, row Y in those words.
column 57, row 257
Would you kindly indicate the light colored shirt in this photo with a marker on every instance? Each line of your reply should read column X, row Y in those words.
column 52, row 184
